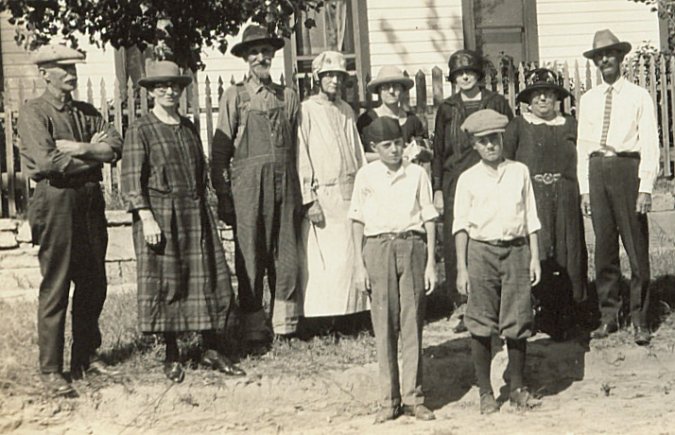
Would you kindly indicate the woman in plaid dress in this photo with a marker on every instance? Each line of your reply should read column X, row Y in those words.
column 183, row 279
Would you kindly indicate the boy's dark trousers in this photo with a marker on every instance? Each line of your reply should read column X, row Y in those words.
column 395, row 267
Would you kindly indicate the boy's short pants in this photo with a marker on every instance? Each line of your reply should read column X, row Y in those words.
column 499, row 295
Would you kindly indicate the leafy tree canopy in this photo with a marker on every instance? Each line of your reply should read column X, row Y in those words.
column 177, row 29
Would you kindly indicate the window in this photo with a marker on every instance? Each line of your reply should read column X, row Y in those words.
column 341, row 25
column 501, row 27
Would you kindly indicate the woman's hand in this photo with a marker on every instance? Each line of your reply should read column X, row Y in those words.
column 315, row 214
column 151, row 231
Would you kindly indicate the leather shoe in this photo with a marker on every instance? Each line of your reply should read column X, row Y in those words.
column 216, row 361
column 57, row 385
column 420, row 412
column 488, row 404
column 520, row 398
column 174, row 371
column 642, row 336
column 604, row 330
column 386, row 414
column 96, row 367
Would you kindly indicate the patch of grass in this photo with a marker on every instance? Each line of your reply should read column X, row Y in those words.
column 139, row 356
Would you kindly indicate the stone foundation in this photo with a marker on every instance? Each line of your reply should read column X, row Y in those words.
column 20, row 271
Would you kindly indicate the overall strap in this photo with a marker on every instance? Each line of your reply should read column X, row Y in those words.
column 244, row 101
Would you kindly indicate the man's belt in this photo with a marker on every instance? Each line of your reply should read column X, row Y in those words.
column 547, row 178
column 610, row 153
column 401, row 235
column 518, row 241
column 74, row 181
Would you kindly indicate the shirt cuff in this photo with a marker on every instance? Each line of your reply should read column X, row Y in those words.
column 136, row 201
column 428, row 213
column 355, row 214
column 646, row 185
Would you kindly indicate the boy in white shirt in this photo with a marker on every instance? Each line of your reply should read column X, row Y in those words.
column 392, row 215
column 495, row 227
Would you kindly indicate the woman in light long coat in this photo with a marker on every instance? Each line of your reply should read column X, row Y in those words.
column 329, row 154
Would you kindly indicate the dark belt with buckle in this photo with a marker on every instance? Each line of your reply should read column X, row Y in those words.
column 518, row 241
column 608, row 153
column 402, row 235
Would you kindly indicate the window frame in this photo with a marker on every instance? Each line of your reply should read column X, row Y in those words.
column 361, row 49
column 530, row 28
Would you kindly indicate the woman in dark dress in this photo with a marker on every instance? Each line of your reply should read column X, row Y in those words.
column 183, row 279
column 389, row 85
column 545, row 140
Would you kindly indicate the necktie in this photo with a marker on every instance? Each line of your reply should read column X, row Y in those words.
column 606, row 117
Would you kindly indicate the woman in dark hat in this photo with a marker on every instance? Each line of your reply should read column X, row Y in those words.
column 454, row 153
column 389, row 85
column 183, row 279
column 545, row 140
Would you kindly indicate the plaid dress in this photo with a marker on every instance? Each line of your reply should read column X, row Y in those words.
column 184, row 283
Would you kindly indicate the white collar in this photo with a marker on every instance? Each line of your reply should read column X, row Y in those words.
column 533, row 119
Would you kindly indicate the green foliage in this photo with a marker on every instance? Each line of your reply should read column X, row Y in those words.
column 177, row 29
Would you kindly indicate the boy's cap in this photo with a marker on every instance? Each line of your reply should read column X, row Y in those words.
column 484, row 122
column 381, row 129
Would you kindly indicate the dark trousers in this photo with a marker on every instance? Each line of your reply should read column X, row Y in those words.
column 614, row 186
column 396, row 271
column 70, row 227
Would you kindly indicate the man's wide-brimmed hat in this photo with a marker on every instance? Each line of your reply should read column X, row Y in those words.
column 538, row 79
column 463, row 60
column 329, row 61
column 57, row 54
column 606, row 40
column 161, row 72
column 389, row 74
column 255, row 34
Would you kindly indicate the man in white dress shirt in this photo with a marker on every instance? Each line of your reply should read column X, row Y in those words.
column 618, row 164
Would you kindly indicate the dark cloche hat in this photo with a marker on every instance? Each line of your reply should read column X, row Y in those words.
column 541, row 78
column 381, row 129
column 463, row 60
column 255, row 34
column 161, row 72
column 606, row 40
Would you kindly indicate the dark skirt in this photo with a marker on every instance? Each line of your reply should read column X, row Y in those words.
column 562, row 251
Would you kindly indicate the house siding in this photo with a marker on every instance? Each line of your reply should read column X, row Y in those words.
column 566, row 27
column 414, row 36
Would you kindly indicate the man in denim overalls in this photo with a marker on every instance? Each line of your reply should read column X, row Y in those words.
column 253, row 172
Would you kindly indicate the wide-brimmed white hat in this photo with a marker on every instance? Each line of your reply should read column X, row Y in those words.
column 389, row 74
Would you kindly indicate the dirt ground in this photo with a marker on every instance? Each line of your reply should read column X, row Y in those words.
column 611, row 386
